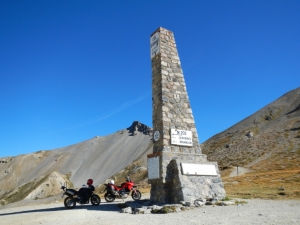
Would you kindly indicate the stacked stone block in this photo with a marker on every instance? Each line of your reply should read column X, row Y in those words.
column 172, row 110
column 171, row 105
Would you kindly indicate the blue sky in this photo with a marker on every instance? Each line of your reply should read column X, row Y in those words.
column 72, row 70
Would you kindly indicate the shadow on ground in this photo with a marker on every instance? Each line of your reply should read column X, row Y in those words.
column 113, row 207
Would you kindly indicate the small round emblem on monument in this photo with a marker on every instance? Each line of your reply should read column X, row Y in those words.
column 156, row 135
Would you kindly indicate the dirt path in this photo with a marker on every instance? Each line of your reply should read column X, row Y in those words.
column 239, row 171
column 256, row 211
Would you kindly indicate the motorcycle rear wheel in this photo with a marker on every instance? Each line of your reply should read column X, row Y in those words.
column 136, row 195
column 95, row 200
column 69, row 203
column 109, row 197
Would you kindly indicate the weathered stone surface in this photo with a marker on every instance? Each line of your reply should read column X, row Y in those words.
column 198, row 203
column 139, row 211
column 227, row 203
column 172, row 110
column 145, row 207
column 126, row 210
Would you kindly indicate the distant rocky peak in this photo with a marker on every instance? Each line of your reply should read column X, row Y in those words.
column 137, row 126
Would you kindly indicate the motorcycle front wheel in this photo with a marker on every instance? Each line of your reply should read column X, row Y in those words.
column 95, row 200
column 136, row 195
column 109, row 197
column 70, row 203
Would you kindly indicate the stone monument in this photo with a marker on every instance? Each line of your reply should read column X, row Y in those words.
column 177, row 169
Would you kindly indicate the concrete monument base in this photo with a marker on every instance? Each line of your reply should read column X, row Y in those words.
column 177, row 187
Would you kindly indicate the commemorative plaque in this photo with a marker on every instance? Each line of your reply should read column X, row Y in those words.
column 155, row 44
column 153, row 168
column 181, row 137
column 198, row 169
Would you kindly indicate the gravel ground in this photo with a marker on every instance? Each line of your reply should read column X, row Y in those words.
column 256, row 211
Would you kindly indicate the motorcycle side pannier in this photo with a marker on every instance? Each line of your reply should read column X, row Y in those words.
column 71, row 192
column 110, row 188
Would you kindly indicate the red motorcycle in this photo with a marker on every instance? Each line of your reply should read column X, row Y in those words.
column 113, row 191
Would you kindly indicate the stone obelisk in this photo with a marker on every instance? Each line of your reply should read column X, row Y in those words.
column 177, row 170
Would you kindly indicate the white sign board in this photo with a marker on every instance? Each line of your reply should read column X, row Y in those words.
column 153, row 168
column 198, row 169
column 155, row 44
column 181, row 137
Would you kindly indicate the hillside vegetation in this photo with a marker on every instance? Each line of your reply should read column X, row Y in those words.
column 267, row 146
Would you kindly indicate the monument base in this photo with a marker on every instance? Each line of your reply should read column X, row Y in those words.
column 177, row 187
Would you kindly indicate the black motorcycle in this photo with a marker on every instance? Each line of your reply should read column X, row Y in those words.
column 75, row 197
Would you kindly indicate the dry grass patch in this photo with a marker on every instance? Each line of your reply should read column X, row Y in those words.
column 283, row 184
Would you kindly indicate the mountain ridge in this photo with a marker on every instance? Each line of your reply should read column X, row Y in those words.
column 265, row 143
column 97, row 158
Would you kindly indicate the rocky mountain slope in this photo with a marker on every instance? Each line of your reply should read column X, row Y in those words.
column 265, row 146
column 32, row 175
column 266, row 143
